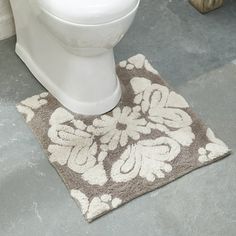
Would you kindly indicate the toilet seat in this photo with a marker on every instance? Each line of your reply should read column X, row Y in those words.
column 88, row 12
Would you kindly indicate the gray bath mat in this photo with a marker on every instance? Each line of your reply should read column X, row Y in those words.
column 150, row 139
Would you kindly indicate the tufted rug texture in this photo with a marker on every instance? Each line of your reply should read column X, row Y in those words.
column 150, row 139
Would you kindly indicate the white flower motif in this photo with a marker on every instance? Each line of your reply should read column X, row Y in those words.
column 28, row 105
column 171, row 117
column 153, row 96
column 149, row 95
column 138, row 61
column 117, row 129
column 123, row 64
column 164, row 109
column 82, row 157
column 149, row 68
column 75, row 147
column 97, row 206
column 216, row 148
column 149, row 159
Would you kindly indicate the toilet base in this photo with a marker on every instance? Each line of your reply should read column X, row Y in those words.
column 94, row 106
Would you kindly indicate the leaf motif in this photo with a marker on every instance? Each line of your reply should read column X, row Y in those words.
column 28, row 112
column 127, row 167
column 95, row 175
column 59, row 154
column 97, row 206
column 149, row 68
column 172, row 117
column 80, row 198
column 184, row 136
column 82, row 158
column 149, row 159
column 60, row 116
column 139, row 84
column 137, row 60
column 212, row 150
column 176, row 100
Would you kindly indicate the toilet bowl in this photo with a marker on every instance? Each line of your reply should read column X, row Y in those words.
column 68, row 46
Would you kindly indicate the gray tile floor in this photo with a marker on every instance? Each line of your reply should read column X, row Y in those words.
column 184, row 46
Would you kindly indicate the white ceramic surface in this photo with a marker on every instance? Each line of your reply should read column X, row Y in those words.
column 75, row 62
column 7, row 28
column 88, row 11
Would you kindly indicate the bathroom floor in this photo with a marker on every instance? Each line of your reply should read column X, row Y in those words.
column 194, row 53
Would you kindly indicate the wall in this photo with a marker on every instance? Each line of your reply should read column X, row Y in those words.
column 6, row 20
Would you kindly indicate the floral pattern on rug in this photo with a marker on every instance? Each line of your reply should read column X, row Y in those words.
column 97, row 206
column 75, row 147
column 213, row 149
column 74, row 143
column 151, row 138
column 28, row 105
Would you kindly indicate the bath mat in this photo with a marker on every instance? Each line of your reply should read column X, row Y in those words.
column 150, row 139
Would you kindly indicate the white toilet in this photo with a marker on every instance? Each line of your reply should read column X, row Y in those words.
column 68, row 46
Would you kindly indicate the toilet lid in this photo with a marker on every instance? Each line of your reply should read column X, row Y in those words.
column 88, row 11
